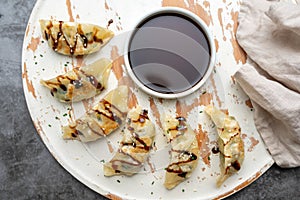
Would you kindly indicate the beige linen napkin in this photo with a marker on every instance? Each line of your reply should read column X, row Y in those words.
column 269, row 32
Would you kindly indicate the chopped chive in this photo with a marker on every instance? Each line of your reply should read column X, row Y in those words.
column 200, row 111
column 151, row 193
column 118, row 181
column 49, row 125
column 102, row 161
column 57, row 118
column 41, row 55
column 65, row 114
column 152, row 183
column 182, row 190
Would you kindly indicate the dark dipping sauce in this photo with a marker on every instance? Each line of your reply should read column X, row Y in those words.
column 169, row 53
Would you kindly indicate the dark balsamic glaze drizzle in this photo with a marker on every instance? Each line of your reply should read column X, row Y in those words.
column 63, row 87
column 179, row 171
column 135, row 138
column 60, row 85
column 232, row 138
column 53, row 90
column 109, row 22
column 236, row 165
column 74, row 135
column 142, row 117
column 181, row 128
column 215, row 150
column 76, row 82
column 79, row 34
column 113, row 116
column 76, row 132
column 46, row 35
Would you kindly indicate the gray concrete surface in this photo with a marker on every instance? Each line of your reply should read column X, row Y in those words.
column 27, row 169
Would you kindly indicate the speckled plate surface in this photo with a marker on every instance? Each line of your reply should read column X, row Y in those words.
column 84, row 161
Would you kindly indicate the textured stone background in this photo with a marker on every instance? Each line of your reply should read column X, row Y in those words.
column 27, row 169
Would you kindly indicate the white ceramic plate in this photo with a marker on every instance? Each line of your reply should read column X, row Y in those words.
column 84, row 161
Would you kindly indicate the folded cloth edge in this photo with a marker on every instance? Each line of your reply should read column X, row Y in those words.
column 272, row 128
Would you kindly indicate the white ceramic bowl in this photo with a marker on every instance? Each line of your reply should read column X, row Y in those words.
column 205, row 30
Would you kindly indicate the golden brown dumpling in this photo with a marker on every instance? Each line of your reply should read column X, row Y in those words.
column 105, row 117
column 135, row 146
column 80, row 83
column 230, row 143
column 184, row 151
column 71, row 38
